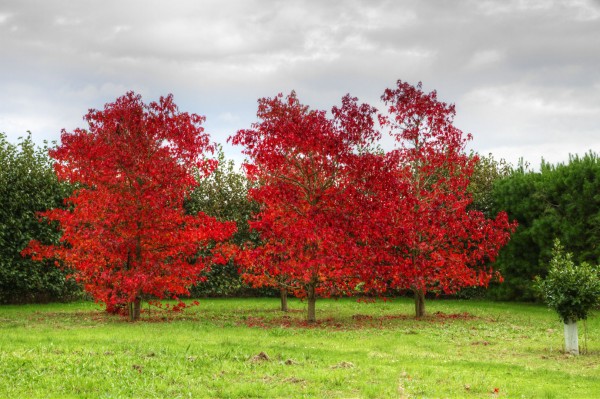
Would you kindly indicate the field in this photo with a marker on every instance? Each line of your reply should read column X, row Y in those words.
column 244, row 348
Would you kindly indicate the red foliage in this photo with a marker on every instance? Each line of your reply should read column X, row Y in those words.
column 125, row 230
column 336, row 216
column 305, row 167
column 424, row 236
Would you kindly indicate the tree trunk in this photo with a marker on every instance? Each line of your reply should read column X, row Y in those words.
column 571, row 338
column 419, row 303
column 130, row 311
column 137, row 308
column 312, row 299
column 284, row 304
column 134, row 309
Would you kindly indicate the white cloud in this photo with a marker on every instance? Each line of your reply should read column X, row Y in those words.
column 63, row 21
column 518, row 120
column 485, row 58
column 90, row 92
column 543, row 102
column 4, row 18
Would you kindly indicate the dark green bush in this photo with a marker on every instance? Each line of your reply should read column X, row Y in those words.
column 225, row 281
column 561, row 201
column 224, row 195
column 28, row 185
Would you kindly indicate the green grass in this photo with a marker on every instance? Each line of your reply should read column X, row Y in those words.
column 357, row 350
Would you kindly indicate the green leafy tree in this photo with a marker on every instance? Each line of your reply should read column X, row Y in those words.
column 571, row 290
column 224, row 195
column 486, row 172
column 28, row 185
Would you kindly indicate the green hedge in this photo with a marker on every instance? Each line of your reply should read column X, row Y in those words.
column 558, row 201
column 29, row 185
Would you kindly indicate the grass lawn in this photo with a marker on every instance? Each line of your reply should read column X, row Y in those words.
column 472, row 349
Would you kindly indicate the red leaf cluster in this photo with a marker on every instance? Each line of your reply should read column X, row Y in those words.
column 339, row 216
column 425, row 237
column 304, row 164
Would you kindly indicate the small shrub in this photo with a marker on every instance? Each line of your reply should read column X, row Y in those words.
column 571, row 290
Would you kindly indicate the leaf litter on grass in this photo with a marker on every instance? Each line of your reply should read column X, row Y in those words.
column 260, row 358
column 444, row 351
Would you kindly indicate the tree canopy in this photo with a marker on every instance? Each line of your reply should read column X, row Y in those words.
column 428, row 238
column 125, row 231
column 304, row 166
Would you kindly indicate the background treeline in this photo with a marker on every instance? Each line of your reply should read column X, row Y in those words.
column 224, row 195
column 558, row 201
column 27, row 185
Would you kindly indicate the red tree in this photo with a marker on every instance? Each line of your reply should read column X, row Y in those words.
column 427, row 237
column 125, row 232
column 304, row 165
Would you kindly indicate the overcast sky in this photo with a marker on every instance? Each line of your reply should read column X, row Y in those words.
column 524, row 75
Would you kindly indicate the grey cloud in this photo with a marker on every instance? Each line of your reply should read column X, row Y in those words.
column 521, row 72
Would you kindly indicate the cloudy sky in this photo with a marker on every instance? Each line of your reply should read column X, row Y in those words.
column 524, row 75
